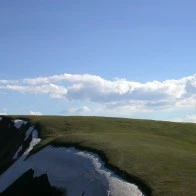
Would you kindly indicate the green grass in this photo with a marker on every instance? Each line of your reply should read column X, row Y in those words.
column 161, row 154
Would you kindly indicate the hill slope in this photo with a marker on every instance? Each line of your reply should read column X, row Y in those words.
column 159, row 156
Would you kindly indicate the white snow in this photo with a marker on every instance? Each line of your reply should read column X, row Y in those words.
column 16, row 154
column 28, row 132
column 35, row 140
column 18, row 123
column 19, row 167
column 72, row 170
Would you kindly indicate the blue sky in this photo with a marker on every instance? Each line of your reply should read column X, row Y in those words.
column 121, row 46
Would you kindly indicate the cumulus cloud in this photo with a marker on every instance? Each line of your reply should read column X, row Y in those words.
column 54, row 91
column 80, row 110
column 191, row 118
column 187, row 102
column 95, row 88
column 35, row 113
column 188, row 118
column 3, row 113
column 63, row 77
column 8, row 81
column 77, row 111
column 117, row 93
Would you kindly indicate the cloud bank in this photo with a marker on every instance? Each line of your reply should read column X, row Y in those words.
column 112, row 95
column 76, row 111
column 3, row 113
column 187, row 118
column 35, row 113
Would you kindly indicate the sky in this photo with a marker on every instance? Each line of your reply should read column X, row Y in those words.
column 128, row 58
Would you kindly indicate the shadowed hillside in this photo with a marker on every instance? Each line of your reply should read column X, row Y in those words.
column 27, row 185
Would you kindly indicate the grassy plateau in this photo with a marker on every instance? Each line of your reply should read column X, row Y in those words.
column 159, row 156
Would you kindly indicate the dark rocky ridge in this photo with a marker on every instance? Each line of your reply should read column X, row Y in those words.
column 28, row 185
column 7, row 131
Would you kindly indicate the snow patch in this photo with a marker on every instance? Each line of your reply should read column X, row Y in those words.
column 70, row 170
column 18, row 123
column 17, row 152
column 28, row 132
column 19, row 167
column 35, row 140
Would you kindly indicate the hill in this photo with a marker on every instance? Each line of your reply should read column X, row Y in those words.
column 157, row 156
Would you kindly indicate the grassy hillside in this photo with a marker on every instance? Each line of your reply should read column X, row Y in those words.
column 161, row 154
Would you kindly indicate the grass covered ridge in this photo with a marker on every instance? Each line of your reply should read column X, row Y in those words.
column 161, row 154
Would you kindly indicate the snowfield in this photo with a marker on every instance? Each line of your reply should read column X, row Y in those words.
column 28, row 132
column 20, row 166
column 34, row 141
column 18, row 123
column 68, row 169
column 79, row 172
column 17, row 152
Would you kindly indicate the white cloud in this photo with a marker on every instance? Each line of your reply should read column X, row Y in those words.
column 53, row 90
column 191, row 118
column 3, row 113
column 77, row 111
column 35, row 113
column 187, row 102
column 8, row 81
column 188, row 118
column 63, row 77
column 118, row 94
